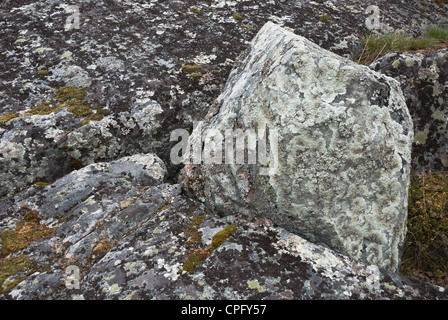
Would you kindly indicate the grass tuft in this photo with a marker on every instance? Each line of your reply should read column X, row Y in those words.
column 425, row 253
column 377, row 45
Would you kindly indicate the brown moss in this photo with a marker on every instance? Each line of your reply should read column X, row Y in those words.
column 198, row 255
column 102, row 247
column 192, row 233
column 27, row 230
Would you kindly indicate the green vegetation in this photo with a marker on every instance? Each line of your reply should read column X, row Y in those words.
column 8, row 116
column 195, row 75
column 198, row 255
column 43, row 73
column 68, row 93
column 376, row 45
column 43, row 108
column 437, row 32
column 324, row 18
column 425, row 254
column 190, row 67
column 41, row 184
column 72, row 98
column 195, row 10
column 237, row 17
column 221, row 237
column 248, row 27
column 14, row 270
column 27, row 230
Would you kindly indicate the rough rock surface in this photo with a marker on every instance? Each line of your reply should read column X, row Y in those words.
column 341, row 173
column 423, row 77
column 131, row 238
column 128, row 231
column 129, row 55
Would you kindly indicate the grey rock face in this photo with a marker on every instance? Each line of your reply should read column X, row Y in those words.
column 423, row 77
column 47, row 147
column 132, row 236
column 344, row 148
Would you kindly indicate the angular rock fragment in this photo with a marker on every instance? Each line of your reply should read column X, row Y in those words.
column 423, row 77
column 338, row 141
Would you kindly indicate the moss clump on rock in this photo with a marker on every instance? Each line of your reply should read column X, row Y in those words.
column 72, row 98
column 26, row 231
column 195, row 10
column 190, row 67
column 248, row 27
column 8, row 117
column 324, row 18
column 199, row 255
column 41, row 184
column 69, row 92
column 14, row 270
column 43, row 73
column 195, row 75
column 43, row 108
column 237, row 17
column 221, row 237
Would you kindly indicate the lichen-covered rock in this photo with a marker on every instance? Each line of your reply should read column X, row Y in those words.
column 423, row 77
column 122, row 54
column 340, row 174
column 29, row 150
column 256, row 261
column 129, row 236
column 44, row 145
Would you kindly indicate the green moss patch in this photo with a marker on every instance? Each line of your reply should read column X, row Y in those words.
column 237, row 17
column 43, row 108
column 8, row 117
column 43, row 73
column 72, row 98
column 69, row 92
column 190, row 67
column 425, row 253
column 14, row 270
column 324, row 18
column 198, row 254
column 248, row 27
column 195, row 10
column 221, row 237
column 40, row 183
column 27, row 230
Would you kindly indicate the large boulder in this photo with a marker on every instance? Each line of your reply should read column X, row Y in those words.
column 339, row 136
column 423, row 77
